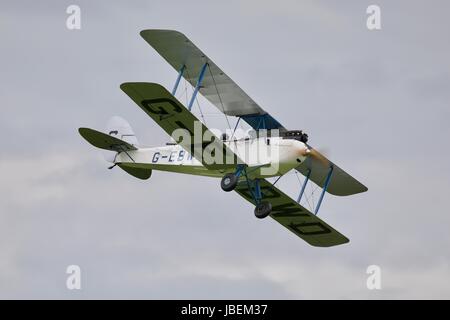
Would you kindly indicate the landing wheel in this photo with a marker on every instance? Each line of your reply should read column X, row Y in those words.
column 229, row 182
column 263, row 209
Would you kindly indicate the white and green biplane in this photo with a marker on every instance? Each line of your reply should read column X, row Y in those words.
column 242, row 164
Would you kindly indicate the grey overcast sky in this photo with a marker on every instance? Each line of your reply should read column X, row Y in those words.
column 377, row 101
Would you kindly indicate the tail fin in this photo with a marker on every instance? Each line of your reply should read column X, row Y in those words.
column 121, row 129
column 119, row 137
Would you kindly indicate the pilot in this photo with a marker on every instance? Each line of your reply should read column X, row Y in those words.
column 225, row 137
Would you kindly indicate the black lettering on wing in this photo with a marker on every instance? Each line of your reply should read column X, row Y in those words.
column 288, row 210
column 299, row 228
column 160, row 107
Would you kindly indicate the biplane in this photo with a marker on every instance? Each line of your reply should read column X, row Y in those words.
column 244, row 165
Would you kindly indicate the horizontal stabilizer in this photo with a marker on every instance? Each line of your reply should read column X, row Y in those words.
column 104, row 141
column 135, row 170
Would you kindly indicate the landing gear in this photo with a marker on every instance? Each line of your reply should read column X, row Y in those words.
column 229, row 182
column 263, row 209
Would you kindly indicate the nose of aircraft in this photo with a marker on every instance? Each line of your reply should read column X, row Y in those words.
column 306, row 151
column 303, row 150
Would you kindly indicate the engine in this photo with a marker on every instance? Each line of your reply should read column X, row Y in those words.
column 296, row 134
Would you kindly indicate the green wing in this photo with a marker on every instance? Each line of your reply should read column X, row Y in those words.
column 104, row 141
column 293, row 216
column 171, row 115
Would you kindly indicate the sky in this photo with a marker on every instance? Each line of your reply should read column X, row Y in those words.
column 377, row 102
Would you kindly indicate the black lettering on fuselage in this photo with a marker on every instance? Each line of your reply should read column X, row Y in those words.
column 156, row 157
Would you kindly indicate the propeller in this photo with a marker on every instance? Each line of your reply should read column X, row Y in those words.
column 313, row 153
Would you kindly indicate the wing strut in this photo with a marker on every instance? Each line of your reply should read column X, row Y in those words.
column 180, row 74
column 290, row 214
column 304, row 186
column 325, row 187
column 197, row 86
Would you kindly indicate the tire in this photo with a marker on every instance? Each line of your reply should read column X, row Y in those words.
column 229, row 182
column 263, row 209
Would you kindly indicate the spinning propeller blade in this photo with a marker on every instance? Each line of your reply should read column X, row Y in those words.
column 318, row 156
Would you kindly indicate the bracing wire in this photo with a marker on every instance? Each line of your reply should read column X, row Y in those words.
column 273, row 184
column 220, row 98
column 300, row 183
column 310, row 201
column 235, row 127
column 186, row 91
column 201, row 113
column 314, row 189
column 311, row 197
column 196, row 99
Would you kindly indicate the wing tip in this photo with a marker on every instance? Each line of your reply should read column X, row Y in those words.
column 362, row 189
column 148, row 32
column 127, row 86
column 124, row 85
column 86, row 134
column 343, row 241
column 83, row 131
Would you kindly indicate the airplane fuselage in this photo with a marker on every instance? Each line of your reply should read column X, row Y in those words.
column 266, row 157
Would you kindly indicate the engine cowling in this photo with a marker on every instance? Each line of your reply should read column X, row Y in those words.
column 297, row 135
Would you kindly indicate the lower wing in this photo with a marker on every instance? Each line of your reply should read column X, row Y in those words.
column 293, row 216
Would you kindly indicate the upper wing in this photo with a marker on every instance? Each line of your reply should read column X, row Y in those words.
column 171, row 115
column 229, row 98
column 105, row 141
column 216, row 86
column 293, row 216
column 341, row 183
